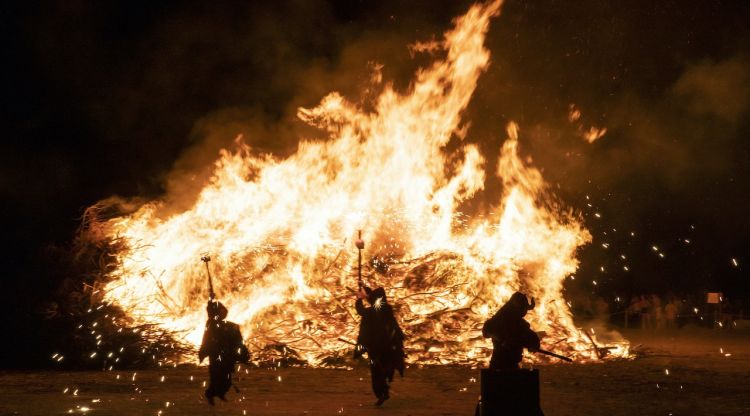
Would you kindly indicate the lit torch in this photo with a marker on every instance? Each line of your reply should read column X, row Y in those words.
column 205, row 258
column 360, row 246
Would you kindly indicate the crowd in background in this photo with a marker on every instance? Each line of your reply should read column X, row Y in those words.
column 655, row 312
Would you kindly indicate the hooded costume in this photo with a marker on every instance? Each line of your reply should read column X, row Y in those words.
column 382, row 339
column 222, row 344
column 510, row 333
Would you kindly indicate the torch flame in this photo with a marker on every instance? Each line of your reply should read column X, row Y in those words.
column 277, row 228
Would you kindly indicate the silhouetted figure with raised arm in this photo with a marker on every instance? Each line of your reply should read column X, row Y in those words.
column 222, row 344
column 507, row 389
column 381, row 338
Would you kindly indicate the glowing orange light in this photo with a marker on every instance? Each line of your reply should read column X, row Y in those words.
column 279, row 230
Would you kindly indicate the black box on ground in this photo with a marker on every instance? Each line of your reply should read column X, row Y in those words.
column 510, row 393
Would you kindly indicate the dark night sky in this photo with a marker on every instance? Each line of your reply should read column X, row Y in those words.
column 104, row 98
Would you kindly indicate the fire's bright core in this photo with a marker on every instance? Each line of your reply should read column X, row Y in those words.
column 281, row 232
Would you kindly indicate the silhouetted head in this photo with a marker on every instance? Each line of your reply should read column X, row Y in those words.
column 374, row 294
column 216, row 310
column 519, row 304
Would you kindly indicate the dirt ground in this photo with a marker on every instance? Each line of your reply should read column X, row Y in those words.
column 685, row 372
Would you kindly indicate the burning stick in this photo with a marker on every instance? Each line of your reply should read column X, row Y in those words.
column 344, row 340
column 552, row 354
column 601, row 352
column 205, row 258
column 360, row 246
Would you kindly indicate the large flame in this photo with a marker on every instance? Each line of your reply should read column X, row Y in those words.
column 281, row 231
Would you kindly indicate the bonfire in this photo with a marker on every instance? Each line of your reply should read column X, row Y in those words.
column 280, row 231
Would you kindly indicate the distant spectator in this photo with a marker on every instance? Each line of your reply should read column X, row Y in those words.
column 644, row 310
column 601, row 308
column 584, row 304
column 727, row 313
column 633, row 309
column 657, row 312
column 670, row 312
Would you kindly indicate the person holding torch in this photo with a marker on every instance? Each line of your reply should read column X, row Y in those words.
column 380, row 336
column 222, row 345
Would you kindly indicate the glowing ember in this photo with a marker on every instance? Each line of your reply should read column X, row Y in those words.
column 280, row 231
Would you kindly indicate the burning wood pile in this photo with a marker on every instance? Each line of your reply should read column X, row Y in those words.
column 279, row 230
column 98, row 334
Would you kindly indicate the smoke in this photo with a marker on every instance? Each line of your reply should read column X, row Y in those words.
column 688, row 133
column 214, row 132
column 297, row 69
column 678, row 137
column 716, row 89
column 164, row 87
column 202, row 77
column 136, row 99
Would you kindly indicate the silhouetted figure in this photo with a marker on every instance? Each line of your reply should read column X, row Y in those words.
column 657, row 312
column 632, row 310
column 645, row 311
column 381, row 338
column 507, row 389
column 510, row 333
column 671, row 311
column 601, row 308
column 222, row 344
